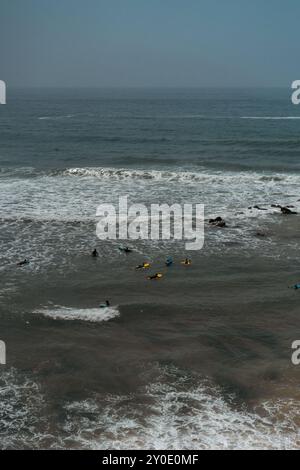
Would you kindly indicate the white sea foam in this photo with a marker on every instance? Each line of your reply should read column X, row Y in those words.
column 59, row 208
column 180, row 175
column 22, row 412
column 123, row 173
column 183, row 418
column 72, row 195
column 93, row 315
column 171, row 413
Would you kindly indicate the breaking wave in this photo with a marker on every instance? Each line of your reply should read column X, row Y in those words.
column 94, row 315
column 123, row 174
column 184, row 176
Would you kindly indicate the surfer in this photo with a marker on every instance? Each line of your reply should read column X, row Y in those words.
column 296, row 286
column 125, row 249
column 23, row 263
column 143, row 266
column 155, row 276
column 186, row 262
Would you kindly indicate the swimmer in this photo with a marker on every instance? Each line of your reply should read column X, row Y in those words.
column 95, row 253
column 143, row 266
column 169, row 261
column 125, row 249
column 155, row 276
column 186, row 262
column 23, row 263
column 107, row 304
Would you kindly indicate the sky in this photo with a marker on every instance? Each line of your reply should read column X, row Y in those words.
column 149, row 43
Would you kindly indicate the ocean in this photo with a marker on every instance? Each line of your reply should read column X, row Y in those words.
column 200, row 359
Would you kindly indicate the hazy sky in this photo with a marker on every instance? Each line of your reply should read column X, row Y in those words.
column 149, row 42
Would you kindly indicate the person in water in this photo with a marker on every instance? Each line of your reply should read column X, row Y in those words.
column 187, row 261
column 143, row 266
column 95, row 253
column 296, row 286
column 107, row 304
column 23, row 263
column 125, row 249
column 169, row 261
column 155, row 276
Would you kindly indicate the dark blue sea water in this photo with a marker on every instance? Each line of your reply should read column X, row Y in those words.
column 200, row 359
column 216, row 129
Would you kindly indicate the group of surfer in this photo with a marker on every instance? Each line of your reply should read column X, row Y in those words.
column 145, row 265
column 169, row 262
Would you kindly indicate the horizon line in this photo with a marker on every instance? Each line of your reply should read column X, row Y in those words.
column 150, row 87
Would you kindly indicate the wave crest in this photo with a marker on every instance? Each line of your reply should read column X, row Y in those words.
column 123, row 174
column 180, row 175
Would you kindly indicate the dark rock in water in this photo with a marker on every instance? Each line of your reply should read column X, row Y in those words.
column 287, row 211
column 221, row 224
column 284, row 210
column 217, row 219
column 217, row 222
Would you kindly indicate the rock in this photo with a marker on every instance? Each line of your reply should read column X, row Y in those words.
column 284, row 210
column 287, row 211
column 217, row 219
column 217, row 222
